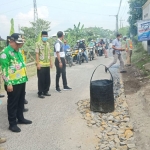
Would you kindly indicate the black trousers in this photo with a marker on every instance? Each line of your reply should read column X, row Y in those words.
column 60, row 71
column 15, row 103
column 43, row 80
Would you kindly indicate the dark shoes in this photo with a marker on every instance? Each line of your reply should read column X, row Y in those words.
column 1, row 96
column 58, row 90
column 123, row 71
column 14, row 128
column 47, row 94
column 25, row 109
column 25, row 121
column 41, row 96
column 66, row 88
column 25, row 101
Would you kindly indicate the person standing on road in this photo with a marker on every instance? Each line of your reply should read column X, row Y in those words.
column 128, row 48
column 60, row 62
column 15, row 78
column 20, row 45
column 102, row 43
column 116, row 45
column 43, row 62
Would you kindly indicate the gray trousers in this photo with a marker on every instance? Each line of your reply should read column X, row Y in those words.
column 116, row 57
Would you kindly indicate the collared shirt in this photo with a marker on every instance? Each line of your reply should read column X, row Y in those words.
column 44, row 53
column 117, row 44
column 57, row 48
column 13, row 67
column 66, row 47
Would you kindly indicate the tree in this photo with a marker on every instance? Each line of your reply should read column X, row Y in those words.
column 28, row 32
column 33, row 34
column 72, row 35
column 12, row 30
column 36, row 28
column 124, row 31
column 79, row 32
column 135, row 14
column 40, row 25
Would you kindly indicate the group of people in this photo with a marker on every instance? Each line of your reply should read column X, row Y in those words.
column 80, row 44
column 15, row 76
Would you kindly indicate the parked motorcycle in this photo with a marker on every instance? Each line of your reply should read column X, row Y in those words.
column 69, row 57
column 100, row 50
column 81, row 56
column 74, row 55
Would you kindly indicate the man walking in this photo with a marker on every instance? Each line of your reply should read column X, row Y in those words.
column 60, row 62
column 43, row 62
column 15, row 78
column 116, row 45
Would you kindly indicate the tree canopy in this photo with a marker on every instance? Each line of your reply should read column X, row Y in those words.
column 135, row 12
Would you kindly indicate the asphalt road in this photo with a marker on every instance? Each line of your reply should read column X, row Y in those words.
column 57, row 124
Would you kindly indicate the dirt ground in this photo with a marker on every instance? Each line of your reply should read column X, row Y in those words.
column 137, row 91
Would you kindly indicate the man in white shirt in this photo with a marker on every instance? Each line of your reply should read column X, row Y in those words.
column 116, row 45
column 60, row 62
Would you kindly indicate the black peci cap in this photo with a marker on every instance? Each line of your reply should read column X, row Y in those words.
column 44, row 33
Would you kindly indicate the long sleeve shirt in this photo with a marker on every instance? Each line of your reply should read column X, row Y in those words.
column 13, row 67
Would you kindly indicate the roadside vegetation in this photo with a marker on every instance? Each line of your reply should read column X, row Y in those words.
column 140, row 57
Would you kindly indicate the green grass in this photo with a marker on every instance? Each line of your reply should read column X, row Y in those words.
column 140, row 57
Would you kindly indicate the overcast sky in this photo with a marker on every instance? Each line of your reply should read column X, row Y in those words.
column 62, row 14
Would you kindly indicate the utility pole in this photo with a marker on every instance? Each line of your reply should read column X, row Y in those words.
column 35, row 11
column 121, row 23
column 117, row 16
column 116, row 22
column 35, row 15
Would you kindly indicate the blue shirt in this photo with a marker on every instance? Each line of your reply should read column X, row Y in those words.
column 117, row 44
column 66, row 47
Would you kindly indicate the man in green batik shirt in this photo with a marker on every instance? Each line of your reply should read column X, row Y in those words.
column 43, row 62
column 15, row 78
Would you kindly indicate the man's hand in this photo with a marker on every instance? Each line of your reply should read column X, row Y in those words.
column 60, row 65
column 51, row 65
column 122, row 49
column 9, row 88
column 38, row 66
